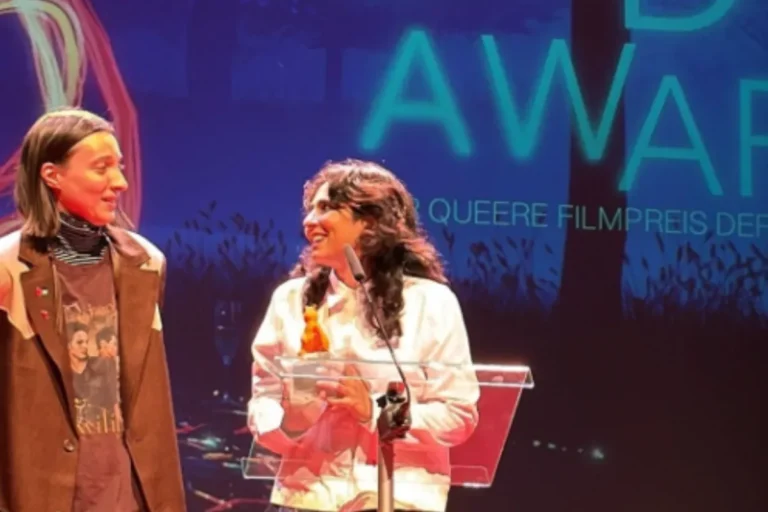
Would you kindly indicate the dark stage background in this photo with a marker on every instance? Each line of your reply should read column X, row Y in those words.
column 593, row 171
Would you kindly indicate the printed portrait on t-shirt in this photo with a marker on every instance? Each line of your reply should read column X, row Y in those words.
column 93, row 355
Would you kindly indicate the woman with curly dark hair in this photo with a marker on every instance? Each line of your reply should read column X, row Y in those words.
column 328, row 443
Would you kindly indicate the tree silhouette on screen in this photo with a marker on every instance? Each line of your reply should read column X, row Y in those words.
column 593, row 260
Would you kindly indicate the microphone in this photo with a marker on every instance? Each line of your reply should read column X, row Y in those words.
column 399, row 416
column 354, row 264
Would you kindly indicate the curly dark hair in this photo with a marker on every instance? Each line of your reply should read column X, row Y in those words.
column 393, row 247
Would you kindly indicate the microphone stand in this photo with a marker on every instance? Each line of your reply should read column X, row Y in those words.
column 393, row 423
column 394, row 419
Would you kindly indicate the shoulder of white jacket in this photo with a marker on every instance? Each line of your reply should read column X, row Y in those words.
column 427, row 286
column 288, row 288
column 437, row 298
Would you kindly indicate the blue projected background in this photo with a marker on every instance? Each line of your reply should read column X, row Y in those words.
column 594, row 173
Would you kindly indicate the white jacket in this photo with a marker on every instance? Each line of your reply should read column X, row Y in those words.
column 444, row 409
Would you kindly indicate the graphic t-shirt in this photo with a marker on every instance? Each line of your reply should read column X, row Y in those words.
column 104, row 477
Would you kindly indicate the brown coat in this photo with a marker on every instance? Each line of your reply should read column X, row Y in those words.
column 38, row 439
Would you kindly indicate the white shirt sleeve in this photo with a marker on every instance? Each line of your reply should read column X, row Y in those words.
column 265, row 412
column 446, row 412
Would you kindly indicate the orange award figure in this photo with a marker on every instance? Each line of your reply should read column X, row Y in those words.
column 313, row 340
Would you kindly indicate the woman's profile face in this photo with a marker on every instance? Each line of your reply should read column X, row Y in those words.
column 90, row 183
column 329, row 228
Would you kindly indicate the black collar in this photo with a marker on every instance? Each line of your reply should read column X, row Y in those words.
column 80, row 236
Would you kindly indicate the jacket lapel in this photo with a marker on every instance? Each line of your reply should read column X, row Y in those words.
column 137, row 290
column 38, row 286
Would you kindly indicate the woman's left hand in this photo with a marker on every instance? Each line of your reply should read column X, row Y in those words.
column 352, row 394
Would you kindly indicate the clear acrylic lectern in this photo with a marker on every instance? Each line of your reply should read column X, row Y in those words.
column 460, row 417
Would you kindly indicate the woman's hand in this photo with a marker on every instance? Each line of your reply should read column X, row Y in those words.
column 351, row 393
column 300, row 416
